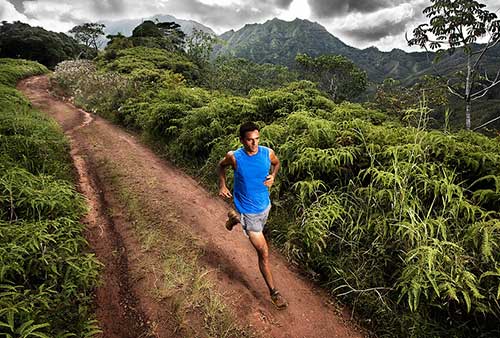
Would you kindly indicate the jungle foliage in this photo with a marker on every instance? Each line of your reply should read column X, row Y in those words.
column 278, row 42
column 127, row 55
column 238, row 76
column 400, row 221
column 140, row 59
column 46, row 277
column 20, row 40
column 336, row 75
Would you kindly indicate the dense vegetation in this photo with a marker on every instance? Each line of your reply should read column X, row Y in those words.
column 163, row 52
column 399, row 221
column 46, row 279
column 20, row 40
column 278, row 42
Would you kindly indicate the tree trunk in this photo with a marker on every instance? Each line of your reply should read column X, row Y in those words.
column 467, row 114
column 467, row 93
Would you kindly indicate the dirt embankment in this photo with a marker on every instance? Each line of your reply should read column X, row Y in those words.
column 128, row 304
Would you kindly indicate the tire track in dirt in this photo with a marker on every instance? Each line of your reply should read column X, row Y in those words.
column 117, row 307
column 169, row 193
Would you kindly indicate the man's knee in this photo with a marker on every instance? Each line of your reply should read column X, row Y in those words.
column 260, row 245
column 263, row 252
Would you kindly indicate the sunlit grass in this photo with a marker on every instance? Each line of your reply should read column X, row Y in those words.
column 179, row 276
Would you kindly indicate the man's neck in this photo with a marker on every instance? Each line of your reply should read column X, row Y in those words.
column 249, row 152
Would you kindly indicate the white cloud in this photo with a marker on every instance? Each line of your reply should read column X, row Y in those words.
column 9, row 13
column 358, row 23
column 298, row 9
column 384, row 28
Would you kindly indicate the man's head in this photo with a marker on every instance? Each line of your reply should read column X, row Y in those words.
column 249, row 136
column 246, row 127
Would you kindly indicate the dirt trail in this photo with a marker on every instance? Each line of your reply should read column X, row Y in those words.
column 126, row 307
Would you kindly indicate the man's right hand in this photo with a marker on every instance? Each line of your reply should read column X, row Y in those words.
column 224, row 192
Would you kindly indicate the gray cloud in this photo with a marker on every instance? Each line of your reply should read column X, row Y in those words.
column 387, row 26
column 218, row 16
column 282, row 3
column 108, row 6
column 337, row 8
column 375, row 33
column 360, row 22
column 69, row 17
column 18, row 5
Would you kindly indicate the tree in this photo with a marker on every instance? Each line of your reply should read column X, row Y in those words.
column 402, row 102
column 199, row 46
column 173, row 33
column 393, row 98
column 458, row 24
column 20, row 40
column 238, row 76
column 88, row 34
column 146, row 29
column 116, row 43
column 336, row 75
column 166, row 35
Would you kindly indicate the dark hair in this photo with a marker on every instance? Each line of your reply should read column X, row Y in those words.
column 246, row 127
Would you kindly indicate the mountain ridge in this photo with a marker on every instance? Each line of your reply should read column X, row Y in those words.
column 277, row 41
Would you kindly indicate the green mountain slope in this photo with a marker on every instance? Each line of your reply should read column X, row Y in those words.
column 277, row 41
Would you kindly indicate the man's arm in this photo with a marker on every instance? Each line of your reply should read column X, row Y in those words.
column 227, row 161
column 275, row 163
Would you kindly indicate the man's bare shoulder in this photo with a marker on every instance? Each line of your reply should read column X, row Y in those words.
column 229, row 159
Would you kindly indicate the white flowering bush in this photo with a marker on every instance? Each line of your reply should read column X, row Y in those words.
column 99, row 92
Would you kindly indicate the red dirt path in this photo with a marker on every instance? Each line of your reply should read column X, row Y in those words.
column 125, row 304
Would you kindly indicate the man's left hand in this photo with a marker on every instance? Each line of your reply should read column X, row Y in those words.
column 269, row 181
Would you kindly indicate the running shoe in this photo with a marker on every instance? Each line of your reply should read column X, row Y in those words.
column 233, row 219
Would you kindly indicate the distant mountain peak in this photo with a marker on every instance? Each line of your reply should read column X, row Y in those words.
column 278, row 41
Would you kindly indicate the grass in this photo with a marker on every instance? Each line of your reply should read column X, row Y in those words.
column 47, row 276
column 16, row 69
column 180, row 278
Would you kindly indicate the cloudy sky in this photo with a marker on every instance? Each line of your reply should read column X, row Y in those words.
column 359, row 23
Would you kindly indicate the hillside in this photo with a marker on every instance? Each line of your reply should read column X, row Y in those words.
column 277, row 42
column 363, row 202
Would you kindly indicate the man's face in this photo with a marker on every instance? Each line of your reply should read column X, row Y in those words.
column 251, row 141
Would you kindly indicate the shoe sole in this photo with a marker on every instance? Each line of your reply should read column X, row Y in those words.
column 282, row 307
column 233, row 220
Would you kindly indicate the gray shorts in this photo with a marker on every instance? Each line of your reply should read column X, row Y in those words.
column 254, row 222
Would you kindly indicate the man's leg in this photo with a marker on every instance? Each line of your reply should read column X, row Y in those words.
column 260, row 244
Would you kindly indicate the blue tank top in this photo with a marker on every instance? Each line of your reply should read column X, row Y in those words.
column 250, row 195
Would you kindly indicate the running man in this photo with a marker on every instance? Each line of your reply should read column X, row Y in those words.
column 255, row 168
